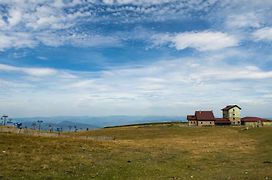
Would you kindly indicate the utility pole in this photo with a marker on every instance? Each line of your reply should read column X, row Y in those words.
column 4, row 118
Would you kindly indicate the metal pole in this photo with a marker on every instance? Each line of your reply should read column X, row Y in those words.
column 4, row 118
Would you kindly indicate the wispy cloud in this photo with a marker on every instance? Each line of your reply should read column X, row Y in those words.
column 39, row 72
column 202, row 41
column 170, row 83
column 16, row 40
column 59, row 23
column 246, row 20
column 138, row 2
column 224, row 67
column 27, row 24
column 264, row 34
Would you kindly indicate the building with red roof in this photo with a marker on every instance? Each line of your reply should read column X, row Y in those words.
column 256, row 121
column 222, row 122
column 231, row 116
column 201, row 118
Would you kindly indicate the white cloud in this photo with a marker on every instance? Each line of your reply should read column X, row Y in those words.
column 27, row 24
column 14, row 17
column 57, row 23
column 80, row 40
column 30, row 40
column 58, row 19
column 264, row 34
column 236, row 73
column 36, row 72
column 162, row 88
column 251, row 3
column 165, row 87
column 39, row 71
column 202, row 41
column 16, row 40
column 138, row 2
column 243, row 21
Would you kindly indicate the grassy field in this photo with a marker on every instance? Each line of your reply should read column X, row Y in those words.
column 140, row 152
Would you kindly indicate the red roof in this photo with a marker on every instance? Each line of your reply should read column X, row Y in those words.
column 191, row 118
column 204, row 115
column 254, row 119
column 222, row 121
column 229, row 107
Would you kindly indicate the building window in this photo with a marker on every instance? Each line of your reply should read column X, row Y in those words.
column 233, row 114
column 210, row 122
column 200, row 122
column 233, row 118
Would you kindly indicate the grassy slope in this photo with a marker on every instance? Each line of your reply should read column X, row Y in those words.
column 143, row 152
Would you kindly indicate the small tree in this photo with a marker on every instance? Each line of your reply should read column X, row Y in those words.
column 19, row 126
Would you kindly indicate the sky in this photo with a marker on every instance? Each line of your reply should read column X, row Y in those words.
column 135, row 57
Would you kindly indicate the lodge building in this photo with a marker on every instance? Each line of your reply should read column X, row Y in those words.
column 231, row 115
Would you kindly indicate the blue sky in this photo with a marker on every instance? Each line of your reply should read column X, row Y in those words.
column 134, row 57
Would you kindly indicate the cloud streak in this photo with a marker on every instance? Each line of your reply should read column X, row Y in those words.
column 263, row 34
column 201, row 41
column 38, row 72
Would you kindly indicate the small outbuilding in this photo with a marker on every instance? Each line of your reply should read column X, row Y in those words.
column 192, row 120
column 255, row 121
column 201, row 118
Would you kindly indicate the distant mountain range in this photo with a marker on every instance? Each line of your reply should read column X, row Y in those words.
column 83, row 122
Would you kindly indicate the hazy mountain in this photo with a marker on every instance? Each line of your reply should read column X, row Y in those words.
column 96, row 122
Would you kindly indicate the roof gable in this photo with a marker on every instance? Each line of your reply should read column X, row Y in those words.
column 254, row 119
column 191, row 118
column 230, row 107
column 204, row 115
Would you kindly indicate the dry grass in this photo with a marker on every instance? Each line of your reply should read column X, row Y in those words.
column 140, row 152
